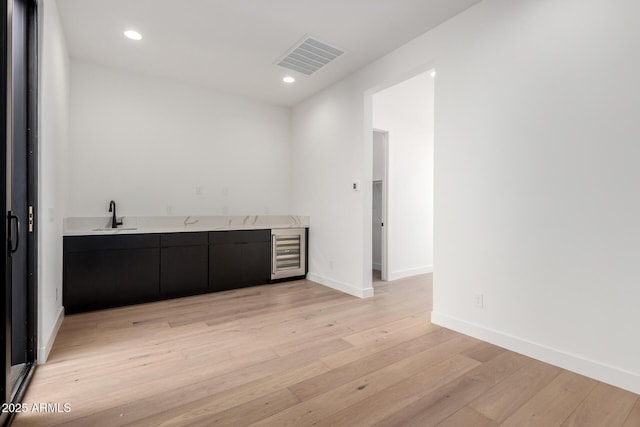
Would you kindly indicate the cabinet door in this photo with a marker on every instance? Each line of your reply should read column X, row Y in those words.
column 102, row 279
column 137, row 276
column 184, row 269
column 88, row 279
column 257, row 263
column 225, row 266
column 236, row 265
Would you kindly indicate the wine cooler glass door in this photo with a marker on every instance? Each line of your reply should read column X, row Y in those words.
column 288, row 253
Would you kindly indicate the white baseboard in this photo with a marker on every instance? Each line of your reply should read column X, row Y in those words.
column 43, row 352
column 376, row 266
column 571, row 362
column 339, row 286
column 401, row 274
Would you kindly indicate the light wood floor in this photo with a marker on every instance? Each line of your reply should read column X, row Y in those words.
column 298, row 354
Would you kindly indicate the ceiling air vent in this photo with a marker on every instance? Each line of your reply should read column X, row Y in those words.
column 309, row 55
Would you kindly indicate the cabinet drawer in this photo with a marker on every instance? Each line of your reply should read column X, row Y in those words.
column 110, row 242
column 239, row 236
column 183, row 239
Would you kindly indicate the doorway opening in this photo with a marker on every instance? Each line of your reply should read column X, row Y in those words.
column 379, row 205
column 402, row 178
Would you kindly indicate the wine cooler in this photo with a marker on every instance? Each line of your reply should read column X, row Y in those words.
column 288, row 253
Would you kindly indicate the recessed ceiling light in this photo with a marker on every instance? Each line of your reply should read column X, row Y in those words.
column 133, row 35
column 288, row 79
column 433, row 73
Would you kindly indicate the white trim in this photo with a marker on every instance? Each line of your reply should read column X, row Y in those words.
column 401, row 274
column 571, row 362
column 339, row 286
column 43, row 352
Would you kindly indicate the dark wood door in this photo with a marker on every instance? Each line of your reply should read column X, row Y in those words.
column 184, row 263
column 239, row 258
column 257, row 263
column 226, row 266
column 137, row 277
column 88, row 279
column 184, row 270
column 103, row 279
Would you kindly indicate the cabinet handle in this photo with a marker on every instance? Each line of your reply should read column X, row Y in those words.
column 13, row 217
column 273, row 254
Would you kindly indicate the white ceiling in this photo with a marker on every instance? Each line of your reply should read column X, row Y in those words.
column 232, row 45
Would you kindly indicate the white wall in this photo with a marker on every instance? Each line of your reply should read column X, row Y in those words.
column 405, row 110
column 379, row 153
column 147, row 143
column 327, row 157
column 53, row 141
column 536, row 178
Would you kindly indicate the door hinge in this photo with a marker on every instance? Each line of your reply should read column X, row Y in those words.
column 30, row 219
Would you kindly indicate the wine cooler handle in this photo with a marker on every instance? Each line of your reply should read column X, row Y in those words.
column 273, row 254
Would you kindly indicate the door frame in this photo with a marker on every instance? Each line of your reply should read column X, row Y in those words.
column 32, row 185
column 384, row 241
column 5, row 266
column 15, row 394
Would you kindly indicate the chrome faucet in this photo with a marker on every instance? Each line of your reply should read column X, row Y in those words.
column 114, row 221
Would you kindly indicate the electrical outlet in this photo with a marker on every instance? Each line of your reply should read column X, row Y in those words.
column 479, row 300
column 169, row 210
column 199, row 190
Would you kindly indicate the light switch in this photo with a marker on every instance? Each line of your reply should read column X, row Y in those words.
column 356, row 185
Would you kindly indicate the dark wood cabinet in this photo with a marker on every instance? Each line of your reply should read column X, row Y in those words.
column 136, row 275
column 88, row 279
column 225, row 260
column 114, row 270
column 257, row 262
column 184, row 263
column 109, row 271
column 239, row 258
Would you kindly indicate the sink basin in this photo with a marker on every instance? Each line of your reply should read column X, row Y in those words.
column 114, row 229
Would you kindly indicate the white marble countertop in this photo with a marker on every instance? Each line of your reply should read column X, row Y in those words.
column 92, row 226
